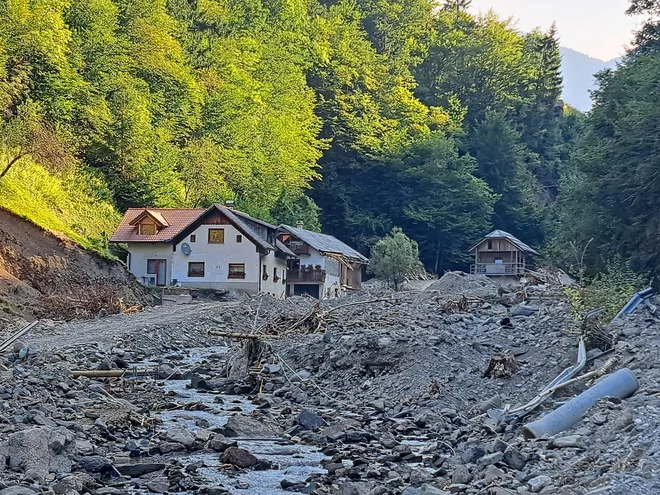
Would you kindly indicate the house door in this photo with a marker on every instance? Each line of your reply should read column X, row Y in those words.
column 159, row 269
column 161, row 273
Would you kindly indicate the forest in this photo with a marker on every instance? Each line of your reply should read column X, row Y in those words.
column 356, row 116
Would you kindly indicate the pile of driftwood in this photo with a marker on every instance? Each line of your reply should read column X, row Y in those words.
column 99, row 300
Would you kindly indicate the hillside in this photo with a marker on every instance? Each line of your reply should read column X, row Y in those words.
column 578, row 71
column 43, row 275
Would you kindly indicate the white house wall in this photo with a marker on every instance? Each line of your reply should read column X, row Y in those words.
column 269, row 286
column 140, row 253
column 216, row 259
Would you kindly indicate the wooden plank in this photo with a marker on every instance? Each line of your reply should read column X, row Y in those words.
column 17, row 335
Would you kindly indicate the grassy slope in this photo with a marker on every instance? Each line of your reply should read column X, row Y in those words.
column 63, row 205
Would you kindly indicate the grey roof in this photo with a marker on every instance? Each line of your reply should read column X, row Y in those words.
column 285, row 249
column 237, row 220
column 325, row 243
column 500, row 234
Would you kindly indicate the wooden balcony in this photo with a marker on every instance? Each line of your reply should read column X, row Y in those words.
column 498, row 269
column 305, row 275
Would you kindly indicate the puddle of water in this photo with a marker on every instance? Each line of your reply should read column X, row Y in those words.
column 295, row 462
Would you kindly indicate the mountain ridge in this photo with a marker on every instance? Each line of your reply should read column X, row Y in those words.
column 579, row 70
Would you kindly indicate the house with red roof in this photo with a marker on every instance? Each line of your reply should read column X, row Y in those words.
column 217, row 247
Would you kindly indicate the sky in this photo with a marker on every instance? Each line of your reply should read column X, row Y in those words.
column 598, row 28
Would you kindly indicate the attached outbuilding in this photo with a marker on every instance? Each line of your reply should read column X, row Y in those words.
column 324, row 266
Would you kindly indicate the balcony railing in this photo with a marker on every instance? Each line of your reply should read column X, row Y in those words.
column 498, row 269
column 298, row 248
column 298, row 275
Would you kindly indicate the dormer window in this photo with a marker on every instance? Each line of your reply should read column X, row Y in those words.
column 149, row 222
column 147, row 229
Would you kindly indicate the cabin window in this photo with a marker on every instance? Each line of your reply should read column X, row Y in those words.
column 193, row 238
column 147, row 229
column 239, row 238
column 490, row 244
column 216, row 236
column 236, row 270
column 195, row 269
column 274, row 272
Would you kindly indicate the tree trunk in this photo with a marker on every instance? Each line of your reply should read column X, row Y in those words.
column 11, row 163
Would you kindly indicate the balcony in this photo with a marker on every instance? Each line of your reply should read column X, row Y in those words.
column 305, row 275
column 299, row 248
column 498, row 269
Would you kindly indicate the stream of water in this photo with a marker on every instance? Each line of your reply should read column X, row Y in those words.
column 295, row 462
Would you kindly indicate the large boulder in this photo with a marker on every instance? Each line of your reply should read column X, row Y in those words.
column 240, row 458
column 182, row 436
column 41, row 450
column 250, row 427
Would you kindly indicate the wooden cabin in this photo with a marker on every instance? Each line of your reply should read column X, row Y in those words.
column 500, row 254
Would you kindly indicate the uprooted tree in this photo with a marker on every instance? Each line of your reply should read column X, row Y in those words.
column 395, row 258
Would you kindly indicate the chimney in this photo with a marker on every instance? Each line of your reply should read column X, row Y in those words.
column 229, row 204
column 299, row 224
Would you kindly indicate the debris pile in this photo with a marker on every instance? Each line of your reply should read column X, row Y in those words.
column 380, row 393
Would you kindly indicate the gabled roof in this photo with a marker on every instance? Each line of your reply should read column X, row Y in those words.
column 500, row 234
column 176, row 223
column 175, row 219
column 324, row 243
column 154, row 215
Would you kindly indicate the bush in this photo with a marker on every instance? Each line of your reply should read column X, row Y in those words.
column 395, row 258
column 610, row 290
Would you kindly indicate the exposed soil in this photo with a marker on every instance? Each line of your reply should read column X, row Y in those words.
column 43, row 276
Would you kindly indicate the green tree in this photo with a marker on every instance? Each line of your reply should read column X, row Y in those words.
column 395, row 258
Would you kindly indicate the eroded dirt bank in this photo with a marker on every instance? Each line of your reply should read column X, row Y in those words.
column 375, row 394
column 43, row 276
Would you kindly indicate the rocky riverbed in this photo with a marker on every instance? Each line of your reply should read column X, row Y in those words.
column 379, row 393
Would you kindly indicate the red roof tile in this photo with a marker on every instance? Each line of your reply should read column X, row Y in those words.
column 177, row 219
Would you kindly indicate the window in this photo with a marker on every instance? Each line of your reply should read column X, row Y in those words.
column 239, row 238
column 216, row 236
column 236, row 270
column 490, row 244
column 147, row 229
column 274, row 272
column 195, row 269
column 151, row 267
column 193, row 238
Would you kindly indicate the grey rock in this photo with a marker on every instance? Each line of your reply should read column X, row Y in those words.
column 515, row 459
column 250, row 427
column 472, row 454
column 461, row 475
column 158, row 486
column 490, row 459
column 182, row 436
column 539, row 483
column 388, row 441
column 95, row 464
column 17, row 490
column 69, row 483
column 108, row 490
column 42, row 449
column 310, row 420
column 522, row 310
column 238, row 457
column 570, row 441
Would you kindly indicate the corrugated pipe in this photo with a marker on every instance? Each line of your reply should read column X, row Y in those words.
column 621, row 384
